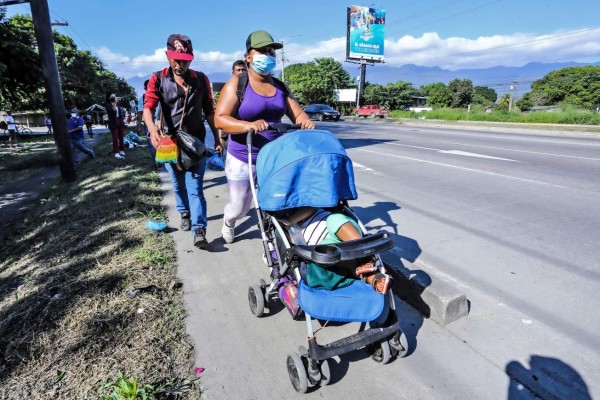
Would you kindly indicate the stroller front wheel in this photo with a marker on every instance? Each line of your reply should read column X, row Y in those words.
column 380, row 352
column 297, row 373
column 325, row 372
column 256, row 300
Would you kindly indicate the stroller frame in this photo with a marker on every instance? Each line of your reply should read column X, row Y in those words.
column 310, row 366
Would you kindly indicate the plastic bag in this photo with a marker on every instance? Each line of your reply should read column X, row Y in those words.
column 216, row 162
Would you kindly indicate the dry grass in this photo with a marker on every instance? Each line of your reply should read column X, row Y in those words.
column 71, row 319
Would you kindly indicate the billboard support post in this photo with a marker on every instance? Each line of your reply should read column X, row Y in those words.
column 361, row 84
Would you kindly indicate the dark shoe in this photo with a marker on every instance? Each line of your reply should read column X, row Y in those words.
column 200, row 238
column 186, row 223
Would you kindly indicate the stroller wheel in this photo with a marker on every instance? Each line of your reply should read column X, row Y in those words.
column 325, row 372
column 297, row 373
column 380, row 352
column 256, row 300
column 399, row 344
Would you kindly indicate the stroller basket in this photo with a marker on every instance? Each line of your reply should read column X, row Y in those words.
column 331, row 254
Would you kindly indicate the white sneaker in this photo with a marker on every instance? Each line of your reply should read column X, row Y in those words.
column 228, row 233
column 119, row 156
column 122, row 153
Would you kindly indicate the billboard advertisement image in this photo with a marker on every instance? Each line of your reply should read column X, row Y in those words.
column 365, row 33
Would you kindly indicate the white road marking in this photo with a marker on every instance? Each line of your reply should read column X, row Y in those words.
column 462, row 168
column 467, row 154
column 518, row 151
column 364, row 167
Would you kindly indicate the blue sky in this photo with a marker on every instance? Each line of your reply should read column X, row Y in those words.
column 130, row 36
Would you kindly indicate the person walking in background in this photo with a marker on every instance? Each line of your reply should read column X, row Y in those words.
column 142, row 130
column 114, row 112
column 75, row 129
column 88, row 125
column 237, row 68
column 184, row 96
column 265, row 101
column 12, row 128
column 48, row 123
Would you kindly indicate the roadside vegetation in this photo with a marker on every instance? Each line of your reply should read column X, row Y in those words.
column 579, row 117
column 90, row 305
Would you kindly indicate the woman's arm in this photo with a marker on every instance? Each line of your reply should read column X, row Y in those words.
column 227, row 106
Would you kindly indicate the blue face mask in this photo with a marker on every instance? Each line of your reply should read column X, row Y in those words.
column 263, row 64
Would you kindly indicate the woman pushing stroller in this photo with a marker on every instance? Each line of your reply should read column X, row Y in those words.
column 247, row 102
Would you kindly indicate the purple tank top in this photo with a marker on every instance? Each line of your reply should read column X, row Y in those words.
column 254, row 107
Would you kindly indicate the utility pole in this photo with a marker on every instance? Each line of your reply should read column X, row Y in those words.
column 513, row 94
column 43, row 33
column 282, row 64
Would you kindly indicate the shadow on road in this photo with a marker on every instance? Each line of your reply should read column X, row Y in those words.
column 546, row 378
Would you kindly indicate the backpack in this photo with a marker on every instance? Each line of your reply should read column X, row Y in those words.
column 243, row 83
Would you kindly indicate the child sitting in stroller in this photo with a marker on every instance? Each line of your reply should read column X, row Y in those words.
column 319, row 226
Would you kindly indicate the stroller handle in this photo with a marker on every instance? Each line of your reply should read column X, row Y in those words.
column 279, row 127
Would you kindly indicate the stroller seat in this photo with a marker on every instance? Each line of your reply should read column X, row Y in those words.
column 355, row 303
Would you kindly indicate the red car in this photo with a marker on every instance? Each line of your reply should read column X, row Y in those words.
column 371, row 110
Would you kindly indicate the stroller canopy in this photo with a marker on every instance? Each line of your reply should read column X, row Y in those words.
column 304, row 168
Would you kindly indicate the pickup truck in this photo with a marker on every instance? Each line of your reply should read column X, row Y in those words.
column 371, row 110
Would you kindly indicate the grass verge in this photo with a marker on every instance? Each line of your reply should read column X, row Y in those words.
column 90, row 306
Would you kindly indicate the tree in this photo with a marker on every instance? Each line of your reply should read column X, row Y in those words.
column 438, row 94
column 504, row 101
column 486, row 93
column 84, row 79
column 526, row 102
column 315, row 81
column 577, row 86
column 399, row 95
column 461, row 91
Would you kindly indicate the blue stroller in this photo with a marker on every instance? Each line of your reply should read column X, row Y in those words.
column 298, row 173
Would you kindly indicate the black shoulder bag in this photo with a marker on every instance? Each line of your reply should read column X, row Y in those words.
column 191, row 150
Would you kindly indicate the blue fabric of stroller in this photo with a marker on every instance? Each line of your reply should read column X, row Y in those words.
column 355, row 303
column 304, row 168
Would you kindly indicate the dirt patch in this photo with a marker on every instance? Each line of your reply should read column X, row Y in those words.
column 88, row 293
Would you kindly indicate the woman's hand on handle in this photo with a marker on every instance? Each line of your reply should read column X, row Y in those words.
column 307, row 124
column 258, row 126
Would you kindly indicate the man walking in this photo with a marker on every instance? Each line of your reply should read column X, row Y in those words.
column 12, row 128
column 237, row 68
column 183, row 94
column 75, row 128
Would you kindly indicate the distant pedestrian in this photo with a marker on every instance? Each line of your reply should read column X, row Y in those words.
column 237, row 68
column 48, row 123
column 75, row 128
column 88, row 125
column 12, row 128
column 141, row 126
column 114, row 111
column 185, row 97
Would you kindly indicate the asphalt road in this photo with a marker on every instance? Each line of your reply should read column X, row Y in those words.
column 511, row 218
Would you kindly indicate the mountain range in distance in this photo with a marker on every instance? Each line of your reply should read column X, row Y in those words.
column 516, row 80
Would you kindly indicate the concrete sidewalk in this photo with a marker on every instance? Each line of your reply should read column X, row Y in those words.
column 215, row 285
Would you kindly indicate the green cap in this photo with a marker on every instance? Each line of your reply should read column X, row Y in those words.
column 259, row 39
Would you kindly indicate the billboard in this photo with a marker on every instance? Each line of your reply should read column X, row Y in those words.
column 345, row 95
column 364, row 37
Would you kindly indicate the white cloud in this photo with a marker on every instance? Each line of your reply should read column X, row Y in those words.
column 428, row 50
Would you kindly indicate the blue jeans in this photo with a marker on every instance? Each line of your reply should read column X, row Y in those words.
column 189, row 192
column 77, row 144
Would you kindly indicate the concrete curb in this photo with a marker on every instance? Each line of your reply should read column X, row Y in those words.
column 433, row 295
